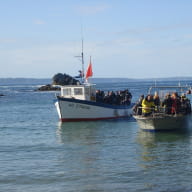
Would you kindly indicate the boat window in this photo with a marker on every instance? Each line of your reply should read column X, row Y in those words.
column 67, row 91
column 87, row 91
column 78, row 91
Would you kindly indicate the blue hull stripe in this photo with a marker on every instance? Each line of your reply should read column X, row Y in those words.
column 96, row 103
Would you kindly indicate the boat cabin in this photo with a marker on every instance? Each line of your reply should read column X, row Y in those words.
column 82, row 92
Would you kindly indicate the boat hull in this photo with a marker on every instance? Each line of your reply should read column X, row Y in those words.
column 166, row 122
column 81, row 110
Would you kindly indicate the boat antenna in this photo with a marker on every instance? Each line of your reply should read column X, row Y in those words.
column 82, row 62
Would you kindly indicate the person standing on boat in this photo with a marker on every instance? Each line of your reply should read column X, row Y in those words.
column 148, row 105
column 137, row 108
column 176, row 104
column 185, row 104
column 167, row 104
column 156, row 100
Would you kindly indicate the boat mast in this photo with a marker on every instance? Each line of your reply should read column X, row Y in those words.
column 82, row 63
column 82, row 60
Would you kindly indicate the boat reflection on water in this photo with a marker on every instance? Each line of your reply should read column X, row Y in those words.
column 152, row 139
column 78, row 132
column 159, row 148
column 91, row 130
column 79, row 152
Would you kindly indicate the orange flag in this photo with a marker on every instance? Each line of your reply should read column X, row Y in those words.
column 89, row 70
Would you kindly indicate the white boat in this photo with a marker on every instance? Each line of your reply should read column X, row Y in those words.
column 159, row 119
column 79, row 103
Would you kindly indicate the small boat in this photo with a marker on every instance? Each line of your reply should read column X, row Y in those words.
column 80, row 103
column 160, row 119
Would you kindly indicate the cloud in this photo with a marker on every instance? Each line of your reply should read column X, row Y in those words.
column 124, row 56
column 8, row 41
column 173, row 27
column 39, row 22
column 91, row 9
column 188, row 37
column 40, row 61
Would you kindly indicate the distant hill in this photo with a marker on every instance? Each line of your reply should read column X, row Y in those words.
column 45, row 81
column 105, row 80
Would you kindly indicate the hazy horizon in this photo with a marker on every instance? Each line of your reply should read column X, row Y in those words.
column 176, row 78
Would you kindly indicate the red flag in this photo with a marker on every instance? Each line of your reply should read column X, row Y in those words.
column 89, row 71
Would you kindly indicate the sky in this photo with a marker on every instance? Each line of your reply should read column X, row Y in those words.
column 125, row 38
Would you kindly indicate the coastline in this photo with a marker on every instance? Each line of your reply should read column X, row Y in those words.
column 26, row 80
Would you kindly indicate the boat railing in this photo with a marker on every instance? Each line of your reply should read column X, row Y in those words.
column 152, row 109
column 177, row 88
column 158, row 110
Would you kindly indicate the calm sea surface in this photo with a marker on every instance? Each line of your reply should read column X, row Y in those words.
column 39, row 154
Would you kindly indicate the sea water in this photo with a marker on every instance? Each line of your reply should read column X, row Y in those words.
column 38, row 153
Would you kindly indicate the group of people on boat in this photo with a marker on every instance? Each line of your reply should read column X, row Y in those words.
column 114, row 98
column 171, row 104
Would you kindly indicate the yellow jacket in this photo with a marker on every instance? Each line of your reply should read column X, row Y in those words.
column 147, row 106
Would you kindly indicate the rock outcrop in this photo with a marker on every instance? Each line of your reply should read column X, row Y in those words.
column 48, row 87
column 64, row 79
column 59, row 79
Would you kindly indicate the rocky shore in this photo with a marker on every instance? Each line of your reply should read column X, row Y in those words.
column 48, row 87
column 59, row 79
